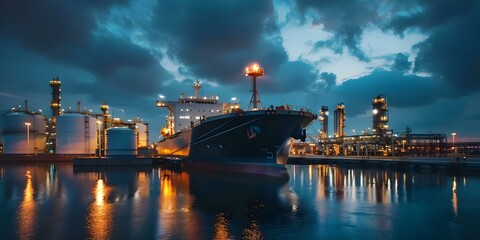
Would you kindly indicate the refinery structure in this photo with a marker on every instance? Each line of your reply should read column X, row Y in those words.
column 377, row 140
column 72, row 132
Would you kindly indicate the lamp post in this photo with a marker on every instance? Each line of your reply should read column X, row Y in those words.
column 99, row 123
column 453, row 141
column 28, row 137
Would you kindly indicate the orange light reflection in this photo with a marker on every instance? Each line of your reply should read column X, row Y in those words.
column 221, row 227
column 100, row 215
column 27, row 211
column 252, row 231
column 454, row 197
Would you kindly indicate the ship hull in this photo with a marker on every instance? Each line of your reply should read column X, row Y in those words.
column 254, row 142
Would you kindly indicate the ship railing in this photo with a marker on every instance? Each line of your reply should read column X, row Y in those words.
column 293, row 107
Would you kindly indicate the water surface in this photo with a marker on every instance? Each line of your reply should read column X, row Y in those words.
column 56, row 201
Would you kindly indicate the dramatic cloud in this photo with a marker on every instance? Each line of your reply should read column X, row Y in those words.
column 401, row 63
column 398, row 88
column 346, row 19
column 329, row 80
column 294, row 76
column 426, row 15
column 217, row 39
column 65, row 33
column 451, row 53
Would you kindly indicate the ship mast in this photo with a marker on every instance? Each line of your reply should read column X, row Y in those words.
column 254, row 71
column 197, row 85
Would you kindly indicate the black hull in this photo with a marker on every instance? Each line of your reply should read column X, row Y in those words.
column 254, row 141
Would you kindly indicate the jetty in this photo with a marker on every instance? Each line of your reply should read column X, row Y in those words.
column 455, row 164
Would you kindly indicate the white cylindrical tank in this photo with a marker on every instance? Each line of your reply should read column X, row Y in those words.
column 142, row 134
column 76, row 134
column 16, row 140
column 121, row 141
column 39, row 123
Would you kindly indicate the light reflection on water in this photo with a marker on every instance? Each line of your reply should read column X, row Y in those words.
column 100, row 212
column 55, row 202
column 27, row 210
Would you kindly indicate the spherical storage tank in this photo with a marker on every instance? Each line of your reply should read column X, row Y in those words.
column 15, row 137
column 76, row 134
column 121, row 141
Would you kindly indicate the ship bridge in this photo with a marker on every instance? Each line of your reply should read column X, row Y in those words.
column 187, row 110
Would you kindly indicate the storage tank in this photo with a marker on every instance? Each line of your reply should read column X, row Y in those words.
column 76, row 134
column 23, row 133
column 121, row 141
column 142, row 133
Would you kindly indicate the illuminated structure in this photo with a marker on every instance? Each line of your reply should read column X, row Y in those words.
column 197, row 85
column 55, row 106
column 339, row 121
column 380, row 114
column 102, row 128
column 324, row 121
column 254, row 71
column 186, row 110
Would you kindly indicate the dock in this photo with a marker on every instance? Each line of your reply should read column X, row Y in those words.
column 36, row 158
column 111, row 161
column 126, row 161
column 454, row 164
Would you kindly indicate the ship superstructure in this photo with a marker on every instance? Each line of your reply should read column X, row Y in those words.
column 187, row 110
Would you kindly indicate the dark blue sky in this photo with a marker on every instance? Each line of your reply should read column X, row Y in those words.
column 423, row 55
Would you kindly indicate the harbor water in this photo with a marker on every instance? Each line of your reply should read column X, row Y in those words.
column 58, row 201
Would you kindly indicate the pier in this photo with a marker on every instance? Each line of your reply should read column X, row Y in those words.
column 455, row 164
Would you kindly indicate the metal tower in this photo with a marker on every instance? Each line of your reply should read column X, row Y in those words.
column 324, row 121
column 55, row 105
column 197, row 85
column 380, row 114
column 339, row 118
column 254, row 71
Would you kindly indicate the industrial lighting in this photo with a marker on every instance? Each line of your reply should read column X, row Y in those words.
column 453, row 140
column 28, row 137
column 254, row 71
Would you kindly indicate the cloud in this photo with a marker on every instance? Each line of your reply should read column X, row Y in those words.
column 451, row 53
column 217, row 39
column 345, row 19
column 427, row 15
column 402, row 91
column 329, row 80
column 65, row 34
column 451, row 49
column 401, row 63
column 296, row 76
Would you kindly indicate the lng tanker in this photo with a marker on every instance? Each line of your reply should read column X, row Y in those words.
column 212, row 135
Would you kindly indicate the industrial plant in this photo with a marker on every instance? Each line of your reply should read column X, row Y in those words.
column 377, row 140
column 72, row 132
column 79, row 132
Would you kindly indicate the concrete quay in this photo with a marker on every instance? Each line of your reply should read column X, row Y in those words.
column 451, row 164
